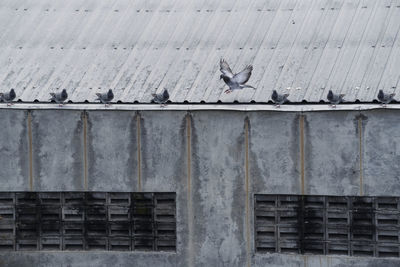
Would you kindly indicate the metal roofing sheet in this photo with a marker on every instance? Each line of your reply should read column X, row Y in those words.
column 140, row 47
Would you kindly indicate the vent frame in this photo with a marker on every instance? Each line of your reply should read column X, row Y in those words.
column 327, row 225
column 86, row 221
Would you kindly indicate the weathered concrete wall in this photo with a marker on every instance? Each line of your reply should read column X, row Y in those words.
column 163, row 151
column 274, row 152
column 214, row 161
column 88, row 259
column 164, row 165
column 381, row 153
column 111, row 154
column 278, row 260
column 14, row 151
column 218, row 189
column 57, row 150
column 331, row 153
column 138, row 259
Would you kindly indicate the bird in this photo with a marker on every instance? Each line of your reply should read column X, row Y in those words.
column 235, row 81
column 161, row 98
column 106, row 97
column 279, row 99
column 385, row 98
column 59, row 98
column 8, row 97
column 334, row 99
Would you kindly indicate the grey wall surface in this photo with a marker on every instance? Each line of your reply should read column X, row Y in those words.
column 163, row 164
column 14, row 151
column 274, row 162
column 331, row 153
column 381, row 153
column 163, row 151
column 218, row 189
column 57, row 150
column 214, row 161
column 112, row 151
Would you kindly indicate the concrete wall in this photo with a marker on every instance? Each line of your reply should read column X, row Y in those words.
column 57, row 150
column 214, row 160
column 111, row 154
column 14, row 150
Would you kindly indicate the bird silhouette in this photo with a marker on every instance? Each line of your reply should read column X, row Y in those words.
column 235, row 81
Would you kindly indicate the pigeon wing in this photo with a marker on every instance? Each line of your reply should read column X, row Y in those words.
column 156, row 98
column 225, row 69
column 100, row 97
column 243, row 76
column 52, row 96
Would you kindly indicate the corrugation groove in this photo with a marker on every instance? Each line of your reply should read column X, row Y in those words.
column 139, row 48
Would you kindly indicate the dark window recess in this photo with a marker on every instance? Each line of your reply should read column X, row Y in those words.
column 87, row 221
column 327, row 225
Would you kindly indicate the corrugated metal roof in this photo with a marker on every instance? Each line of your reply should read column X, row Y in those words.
column 139, row 47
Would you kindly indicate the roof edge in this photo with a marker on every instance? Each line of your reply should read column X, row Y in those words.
column 191, row 107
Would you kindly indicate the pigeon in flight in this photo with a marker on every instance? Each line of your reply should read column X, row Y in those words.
column 59, row 98
column 334, row 99
column 385, row 98
column 106, row 97
column 8, row 97
column 279, row 99
column 161, row 98
column 235, row 81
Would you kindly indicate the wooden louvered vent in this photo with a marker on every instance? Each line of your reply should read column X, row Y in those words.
column 87, row 221
column 326, row 225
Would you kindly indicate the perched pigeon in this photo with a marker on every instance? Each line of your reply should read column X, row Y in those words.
column 161, row 98
column 59, row 98
column 8, row 97
column 106, row 97
column 385, row 98
column 334, row 99
column 235, row 81
column 279, row 99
